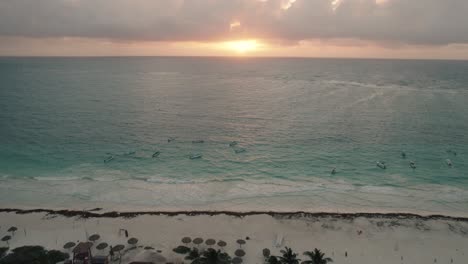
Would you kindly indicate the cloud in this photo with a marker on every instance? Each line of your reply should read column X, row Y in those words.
column 390, row 22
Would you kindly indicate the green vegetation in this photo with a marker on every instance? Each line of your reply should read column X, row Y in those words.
column 194, row 256
column 209, row 256
column 273, row 260
column 33, row 255
column 3, row 251
column 316, row 257
column 288, row 257
column 212, row 256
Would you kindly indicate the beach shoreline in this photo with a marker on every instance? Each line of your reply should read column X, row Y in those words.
column 346, row 238
column 102, row 213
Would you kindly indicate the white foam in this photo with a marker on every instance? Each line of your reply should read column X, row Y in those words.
column 300, row 193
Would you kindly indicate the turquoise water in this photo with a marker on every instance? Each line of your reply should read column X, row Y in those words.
column 296, row 119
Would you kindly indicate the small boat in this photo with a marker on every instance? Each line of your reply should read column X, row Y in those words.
column 195, row 156
column 333, row 171
column 449, row 162
column 233, row 143
column 170, row 139
column 198, row 141
column 403, row 155
column 156, row 154
column 130, row 153
column 239, row 150
column 412, row 165
column 381, row 165
column 109, row 159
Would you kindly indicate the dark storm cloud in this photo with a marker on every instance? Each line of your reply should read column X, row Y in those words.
column 429, row 22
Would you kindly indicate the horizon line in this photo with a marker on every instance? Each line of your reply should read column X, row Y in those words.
column 228, row 57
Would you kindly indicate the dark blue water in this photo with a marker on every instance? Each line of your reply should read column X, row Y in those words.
column 294, row 121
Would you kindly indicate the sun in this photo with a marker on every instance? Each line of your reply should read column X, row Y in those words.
column 241, row 46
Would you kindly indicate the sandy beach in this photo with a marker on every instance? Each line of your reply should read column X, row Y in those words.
column 346, row 238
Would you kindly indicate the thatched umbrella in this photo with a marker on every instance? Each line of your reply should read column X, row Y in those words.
column 236, row 260
column 5, row 239
column 132, row 241
column 266, row 252
column 210, row 242
column 186, row 240
column 197, row 241
column 239, row 253
column 240, row 242
column 94, row 237
column 69, row 245
column 12, row 230
column 222, row 243
column 102, row 246
column 118, row 248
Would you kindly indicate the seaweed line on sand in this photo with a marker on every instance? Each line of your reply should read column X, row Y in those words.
column 93, row 213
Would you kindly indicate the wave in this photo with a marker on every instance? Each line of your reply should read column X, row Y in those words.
column 272, row 193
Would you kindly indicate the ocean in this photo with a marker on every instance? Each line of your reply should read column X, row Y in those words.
column 82, row 132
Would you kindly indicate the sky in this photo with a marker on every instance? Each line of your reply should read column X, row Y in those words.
column 413, row 29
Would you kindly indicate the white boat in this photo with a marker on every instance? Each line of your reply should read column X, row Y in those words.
column 195, row 156
column 449, row 162
column 381, row 165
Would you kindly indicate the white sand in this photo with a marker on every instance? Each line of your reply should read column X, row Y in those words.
column 382, row 240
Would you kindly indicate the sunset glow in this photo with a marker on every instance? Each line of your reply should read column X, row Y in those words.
column 241, row 46
column 258, row 28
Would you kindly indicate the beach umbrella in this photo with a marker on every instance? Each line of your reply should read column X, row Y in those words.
column 210, row 242
column 181, row 250
column 94, row 237
column 69, row 245
column 236, row 260
column 102, row 246
column 222, row 243
column 266, row 252
column 12, row 230
column 240, row 242
column 239, row 253
column 186, row 240
column 132, row 241
column 5, row 239
column 118, row 248
column 197, row 241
